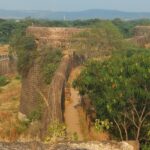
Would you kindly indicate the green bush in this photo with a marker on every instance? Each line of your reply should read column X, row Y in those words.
column 25, row 48
column 50, row 62
column 3, row 81
column 102, row 125
column 22, row 126
column 120, row 91
column 145, row 147
column 100, row 39
column 55, row 130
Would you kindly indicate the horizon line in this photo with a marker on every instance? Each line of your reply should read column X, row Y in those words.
column 107, row 9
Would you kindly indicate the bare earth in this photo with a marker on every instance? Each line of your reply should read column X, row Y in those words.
column 72, row 119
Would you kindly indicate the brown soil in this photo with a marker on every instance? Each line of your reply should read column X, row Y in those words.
column 75, row 116
column 72, row 118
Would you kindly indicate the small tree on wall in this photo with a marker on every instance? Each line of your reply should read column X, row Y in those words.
column 25, row 49
column 120, row 91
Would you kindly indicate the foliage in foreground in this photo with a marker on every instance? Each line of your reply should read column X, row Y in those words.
column 55, row 131
column 120, row 91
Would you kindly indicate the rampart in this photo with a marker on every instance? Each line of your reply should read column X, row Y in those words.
column 56, row 37
column 34, row 90
column 141, row 36
column 4, row 64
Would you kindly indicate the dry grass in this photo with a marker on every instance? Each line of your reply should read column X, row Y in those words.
column 9, row 102
column 4, row 49
column 89, row 131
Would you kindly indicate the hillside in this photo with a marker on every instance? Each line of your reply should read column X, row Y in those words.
column 87, row 14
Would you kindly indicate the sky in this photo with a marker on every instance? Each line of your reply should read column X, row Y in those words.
column 76, row 5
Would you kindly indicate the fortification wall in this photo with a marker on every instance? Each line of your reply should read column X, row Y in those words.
column 4, row 64
column 141, row 36
column 56, row 37
column 7, row 65
column 142, row 30
column 34, row 89
column 30, row 85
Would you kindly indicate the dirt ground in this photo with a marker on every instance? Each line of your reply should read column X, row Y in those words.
column 72, row 119
column 75, row 117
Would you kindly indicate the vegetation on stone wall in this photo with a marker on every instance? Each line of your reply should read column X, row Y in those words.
column 25, row 49
column 37, row 112
column 3, row 81
column 127, row 27
column 8, row 27
column 55, row 131
column 100, row 39
column 120, row 91
column 50, row 61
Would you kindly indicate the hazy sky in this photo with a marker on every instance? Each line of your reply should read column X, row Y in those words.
column 74, row 5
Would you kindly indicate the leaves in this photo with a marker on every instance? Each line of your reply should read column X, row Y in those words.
column 116, row 84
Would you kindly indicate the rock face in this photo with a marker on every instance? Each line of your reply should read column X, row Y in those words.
column 68, row 146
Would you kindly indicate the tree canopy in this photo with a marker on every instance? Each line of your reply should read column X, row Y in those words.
column 119, row 88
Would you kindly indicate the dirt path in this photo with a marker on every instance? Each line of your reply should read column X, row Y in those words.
column 71, row 113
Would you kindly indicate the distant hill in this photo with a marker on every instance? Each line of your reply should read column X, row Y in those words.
column 87, row 14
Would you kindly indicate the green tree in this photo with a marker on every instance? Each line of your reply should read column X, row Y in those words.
column 49, row 63
column 24, row 48
column 120, row 91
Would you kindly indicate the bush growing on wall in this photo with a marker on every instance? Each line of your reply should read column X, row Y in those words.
column 50, row 62
column 3, row 81
column 24, row 47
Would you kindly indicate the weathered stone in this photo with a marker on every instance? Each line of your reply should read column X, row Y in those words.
column 22, row 117
column 68, row 146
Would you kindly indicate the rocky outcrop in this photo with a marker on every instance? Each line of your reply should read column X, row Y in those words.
column 68, row 146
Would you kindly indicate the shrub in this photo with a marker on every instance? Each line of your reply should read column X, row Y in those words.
column 101, row 126
column 24, row 47
column 120, row 91
column 56, row 130
column 145, row 147
column 22, row 126
column 50, row 62
column 3, row 81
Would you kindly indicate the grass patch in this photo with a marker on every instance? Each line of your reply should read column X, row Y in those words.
column 3, row 81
